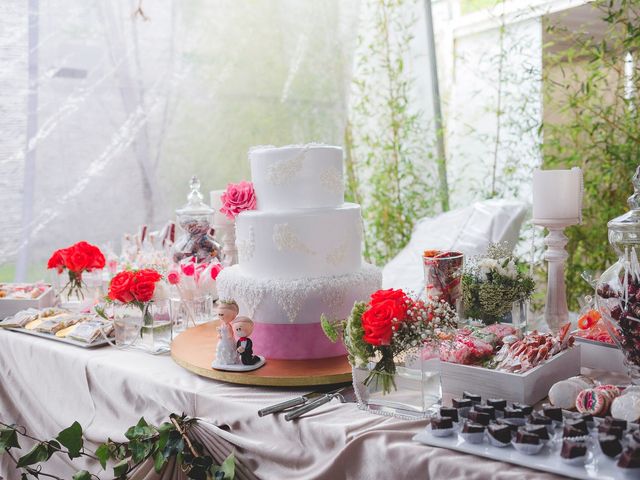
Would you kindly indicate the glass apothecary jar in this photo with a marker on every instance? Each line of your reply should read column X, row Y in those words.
column 195, row 220
column 618, row 289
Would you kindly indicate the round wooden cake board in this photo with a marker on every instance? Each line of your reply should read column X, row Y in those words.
column 195, row 348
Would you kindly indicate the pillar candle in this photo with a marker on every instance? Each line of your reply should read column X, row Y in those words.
column 557, row 195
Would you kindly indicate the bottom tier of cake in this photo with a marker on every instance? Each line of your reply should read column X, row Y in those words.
column 287, row 312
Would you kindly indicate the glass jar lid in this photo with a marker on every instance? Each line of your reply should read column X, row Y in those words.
column 195, row 206
column 625, row 229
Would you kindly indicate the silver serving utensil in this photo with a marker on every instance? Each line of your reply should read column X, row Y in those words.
column 344, row 394
column 294, row 402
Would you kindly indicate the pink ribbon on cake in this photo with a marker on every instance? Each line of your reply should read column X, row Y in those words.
column 291, row 341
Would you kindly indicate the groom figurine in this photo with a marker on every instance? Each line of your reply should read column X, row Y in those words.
column 243, row 328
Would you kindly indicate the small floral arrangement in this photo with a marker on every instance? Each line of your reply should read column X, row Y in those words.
column 194, row 280
column 390, row 324
column 136, row 287
column 491, row 284
column 237, row 198
column 76, row 259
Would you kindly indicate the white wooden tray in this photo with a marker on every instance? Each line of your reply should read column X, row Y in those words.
column 548, row 460
column 11, row 306
column 529, row 387
column 99, row 342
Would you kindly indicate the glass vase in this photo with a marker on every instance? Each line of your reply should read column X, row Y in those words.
column 79, row 297
column 157, row 328
column 413, row 391
column 190, row 313
column 516, row 315
column 127, row 324
column 442, row 276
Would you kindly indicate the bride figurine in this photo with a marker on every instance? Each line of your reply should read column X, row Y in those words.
column 226, row 353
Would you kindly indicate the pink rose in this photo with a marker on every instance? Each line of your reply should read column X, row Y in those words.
column 173, row 277
column 237, row 198
column 215, row 270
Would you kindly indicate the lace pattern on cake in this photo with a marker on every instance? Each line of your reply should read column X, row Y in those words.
column 285, row 238
column 283, row 171
column 332, row 179
column 246, row 246
column 291, row 295
column 337, row 255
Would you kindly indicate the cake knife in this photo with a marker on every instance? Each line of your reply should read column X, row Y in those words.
column 294, row 402
column 343, row 394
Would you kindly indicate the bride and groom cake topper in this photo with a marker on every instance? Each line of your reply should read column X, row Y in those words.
column 234, row 351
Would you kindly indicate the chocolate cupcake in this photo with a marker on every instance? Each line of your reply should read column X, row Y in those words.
column 537, row 419
column 499, row 435
column 610, row 445
column 527, row 409
column 511, row 423
column 630, row 459
column 475, row 398
column 488, row 409
column 554, row 413
column 479, row 417
column 573, row 451
column 497, row 403
column 472, row 432
column 571, row 432
column 617, row 422
column 577, row 423
column 539, row 430
column 587, row 417
column 514, row 414
column 522, row 436
column 461, row 403
column 449, row 412
column 441, row 426
column 607, row 429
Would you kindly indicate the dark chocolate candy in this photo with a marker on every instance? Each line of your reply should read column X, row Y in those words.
column 461, row 403
column 587, row 417
column 573, row 449
column 449, row 412
column 610, row 445
column 527, row 409
column 513, row 425
column 440, row 423
column 618, row 422
column 472, row 427
column 537, row 419
column 475, row 398
column 539, row 430
column 630, row 458
column 554, row 413
column 571, row 432
column 488, row 409
column 510, row 412
column 497, row 403
column 501, row 433
column 479, row 417
column 523, row 436
column 577, row 423
column 611, row 430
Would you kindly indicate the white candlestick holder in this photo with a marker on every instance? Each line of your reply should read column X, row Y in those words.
column 556, row 311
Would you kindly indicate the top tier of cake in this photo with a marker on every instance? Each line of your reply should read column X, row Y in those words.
column 298, row 176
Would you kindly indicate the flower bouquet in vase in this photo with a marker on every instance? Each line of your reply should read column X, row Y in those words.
column 141, row 314
column 195, row 286
column 496, row 288
column 392, row 342
column 78, row 271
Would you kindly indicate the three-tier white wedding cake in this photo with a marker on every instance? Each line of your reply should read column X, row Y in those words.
column 300, row 252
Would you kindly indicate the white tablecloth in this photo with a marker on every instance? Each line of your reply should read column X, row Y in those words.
column 46, row 386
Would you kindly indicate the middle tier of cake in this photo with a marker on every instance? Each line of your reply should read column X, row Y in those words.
column 300, row 242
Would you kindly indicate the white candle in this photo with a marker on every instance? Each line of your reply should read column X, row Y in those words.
column 219, row 218
column 557, row 195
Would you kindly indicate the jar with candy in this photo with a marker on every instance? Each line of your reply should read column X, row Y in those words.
column 618, row 290
column 195, row 220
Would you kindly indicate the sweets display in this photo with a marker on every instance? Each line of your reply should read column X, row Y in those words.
column 574, row 439
column 22, row 291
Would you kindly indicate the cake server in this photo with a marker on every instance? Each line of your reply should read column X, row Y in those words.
column 344, row 394
column 294, row 402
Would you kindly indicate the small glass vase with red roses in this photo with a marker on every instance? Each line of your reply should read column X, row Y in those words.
column 393, row 346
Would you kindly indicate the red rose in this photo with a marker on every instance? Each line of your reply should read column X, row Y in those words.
column 96, row 258
column 385, row 308
column 56, row 261
column 75, row 259
column 144, row 284
column 120, row 287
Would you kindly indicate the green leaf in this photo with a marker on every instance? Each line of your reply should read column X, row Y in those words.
column 141, row 430
column 140, row 450
column 71, row 439
column 102, row 452
column 121, row 468
column 39, row 453
column 174, row 445
column 8, row 439
column 82, row 475
column 159, row 461
column 228, row 467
